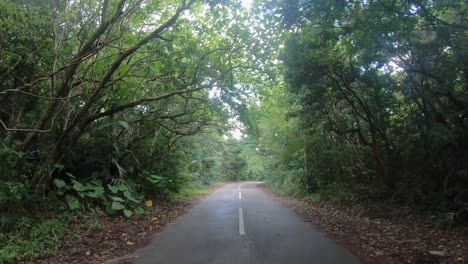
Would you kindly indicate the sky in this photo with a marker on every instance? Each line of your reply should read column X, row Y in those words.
column 247, row 3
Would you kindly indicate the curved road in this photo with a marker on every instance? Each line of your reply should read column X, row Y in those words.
column 240, row 224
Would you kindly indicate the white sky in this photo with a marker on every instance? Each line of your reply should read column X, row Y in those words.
column 235, row 133
column 247, row 4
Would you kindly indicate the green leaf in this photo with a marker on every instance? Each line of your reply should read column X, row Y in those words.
column 70, row 175
column 59, row 166
column 117, row 206
column 109, row 209
column 72, row 202
column 59, row 183
column 99, row 191
column 91, row 195
column 112, row 188
column 156, row 177
column 79, row 187
column 122, row 187
column 96, row 182
column 117, row 188
column 139, row 210
column 129, row 196
column 124, row 124
column 127, row 213
column 116, row 198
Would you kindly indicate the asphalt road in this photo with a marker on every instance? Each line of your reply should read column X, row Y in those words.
column 240, row 224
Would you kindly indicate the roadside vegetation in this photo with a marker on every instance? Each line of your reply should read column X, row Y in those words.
column 372, row 107
column 112, row 107
column 115, row 107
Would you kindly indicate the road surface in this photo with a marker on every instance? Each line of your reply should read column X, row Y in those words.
column 239, row 224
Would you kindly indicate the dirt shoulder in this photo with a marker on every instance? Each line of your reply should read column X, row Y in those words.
column 383, row 240
column 116, row 237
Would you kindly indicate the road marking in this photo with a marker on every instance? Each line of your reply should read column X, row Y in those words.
column 239, row 187
column 241, row 222
column 240, row 195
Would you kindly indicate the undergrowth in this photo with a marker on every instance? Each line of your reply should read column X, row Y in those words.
column 30, row 237
column 26, row 237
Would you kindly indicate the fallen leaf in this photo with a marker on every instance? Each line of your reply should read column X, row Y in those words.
column 441, row 253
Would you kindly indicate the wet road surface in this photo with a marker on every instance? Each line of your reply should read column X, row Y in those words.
column 240, row 224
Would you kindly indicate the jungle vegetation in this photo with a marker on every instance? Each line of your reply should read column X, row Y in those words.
column 107, row 104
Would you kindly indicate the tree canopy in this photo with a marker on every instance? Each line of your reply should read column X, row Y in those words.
column 376, row 101
column 106, row 104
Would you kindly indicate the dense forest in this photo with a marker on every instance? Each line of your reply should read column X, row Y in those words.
column 108, row 105
column 372, row 105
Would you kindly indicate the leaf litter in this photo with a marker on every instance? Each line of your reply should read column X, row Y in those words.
column 399, row 238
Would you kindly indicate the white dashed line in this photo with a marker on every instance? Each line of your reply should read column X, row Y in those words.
column 240, row 195
column 241, row 222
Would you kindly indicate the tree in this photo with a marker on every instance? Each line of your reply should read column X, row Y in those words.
column 108, row 88
column 379, row 89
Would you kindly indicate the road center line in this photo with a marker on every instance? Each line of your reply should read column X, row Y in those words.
column 240, row 195
column 241, row 222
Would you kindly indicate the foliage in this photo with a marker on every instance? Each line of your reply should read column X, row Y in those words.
column 275, row 153
column 190, row 191
column 377, row 91
column 107, row 104
column 30, row 237
column 110, row 94
column 26, row 237
column 233, row 163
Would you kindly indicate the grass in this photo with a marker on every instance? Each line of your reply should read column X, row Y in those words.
column 313, row 197
column 191, row 191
